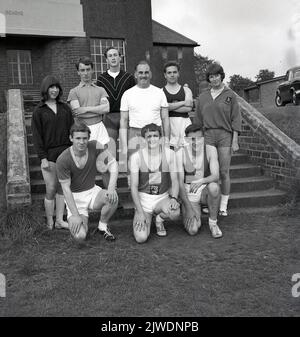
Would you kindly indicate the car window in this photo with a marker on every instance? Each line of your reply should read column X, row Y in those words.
column 297, row 73
column 290, row 75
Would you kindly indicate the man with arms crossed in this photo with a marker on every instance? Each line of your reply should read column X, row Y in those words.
column 89, row 102
column 76, row 168
column 154, row 184
column 180, row 99
column 115, row 81
column 141, row 105
column 198, row 169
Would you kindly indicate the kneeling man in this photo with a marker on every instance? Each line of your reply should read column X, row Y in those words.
column 154, row 184
column 198, row 169
column 77, row 167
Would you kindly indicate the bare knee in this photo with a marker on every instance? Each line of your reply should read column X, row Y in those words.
column 213, row 190
column 174, row 214
column 140, row 237
column 224, row 174
column 50, row 191
column 192, row 230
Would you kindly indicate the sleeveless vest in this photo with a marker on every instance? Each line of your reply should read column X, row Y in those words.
column 154, row 182
column 173, row 98
column 193, row 163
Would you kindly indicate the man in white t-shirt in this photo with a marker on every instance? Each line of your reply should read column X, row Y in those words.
column 141, row 105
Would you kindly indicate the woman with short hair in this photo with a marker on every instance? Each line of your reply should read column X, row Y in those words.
column 51, row 122
column 219, row 115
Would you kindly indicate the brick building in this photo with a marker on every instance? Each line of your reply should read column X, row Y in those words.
column 262, row 94
column 40, row 37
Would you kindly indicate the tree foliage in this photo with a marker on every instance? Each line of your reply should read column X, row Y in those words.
column 264, row 75
column 238, row 83
column 201, row 64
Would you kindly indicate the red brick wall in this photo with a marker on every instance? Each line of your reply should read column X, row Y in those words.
column 60, row 57
column 187, row 72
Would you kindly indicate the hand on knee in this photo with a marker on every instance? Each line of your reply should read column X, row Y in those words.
column 193, row 226
column 81, row 235
column 174, row 214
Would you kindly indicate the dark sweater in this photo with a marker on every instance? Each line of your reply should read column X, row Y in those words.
column 115, row 87
column 51, row 131
column 221, row 113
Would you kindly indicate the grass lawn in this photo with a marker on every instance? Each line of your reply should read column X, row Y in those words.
column 246, row 273
column 287, row 119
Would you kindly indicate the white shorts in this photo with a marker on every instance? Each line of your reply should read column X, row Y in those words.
column 99, row 133
column 177, row 127
column 149, row 201
column 85, row 200
column 194, row 197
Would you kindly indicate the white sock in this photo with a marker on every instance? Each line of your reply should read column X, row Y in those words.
column 224, row 202
column 212, row 222
column 159, row 219
column 102, row 226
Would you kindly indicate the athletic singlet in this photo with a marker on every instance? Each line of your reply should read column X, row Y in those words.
column 154, row 182
column 194, row 165
column 173, row 98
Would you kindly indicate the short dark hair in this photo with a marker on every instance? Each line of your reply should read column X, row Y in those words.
column 142, row 62
column 214, row 69
column 150, row 127
column 79, row 127
column 171, row 64
column 86, row 61
column 48, row 82
column 193, row 128
column 109, row 48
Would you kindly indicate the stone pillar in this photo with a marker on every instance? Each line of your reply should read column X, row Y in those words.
column 18, row 180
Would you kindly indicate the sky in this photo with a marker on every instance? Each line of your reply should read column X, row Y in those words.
column 244, row 36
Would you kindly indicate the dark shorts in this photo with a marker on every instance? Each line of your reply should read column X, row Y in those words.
column 218, row 137
column 112, row 120
column 53, row 153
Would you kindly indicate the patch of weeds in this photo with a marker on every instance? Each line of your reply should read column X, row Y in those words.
column 291, row 208
column 21, row 225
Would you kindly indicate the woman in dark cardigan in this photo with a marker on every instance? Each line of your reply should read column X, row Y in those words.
column 51, row 122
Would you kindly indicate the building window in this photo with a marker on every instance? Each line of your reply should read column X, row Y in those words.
column 19, row 67
column 98, row 47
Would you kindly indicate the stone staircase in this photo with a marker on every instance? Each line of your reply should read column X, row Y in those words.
column 249, row 187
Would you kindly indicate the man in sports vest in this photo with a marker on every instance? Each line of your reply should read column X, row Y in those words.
column 180, row 100
column 198, row 169
column 154, row 184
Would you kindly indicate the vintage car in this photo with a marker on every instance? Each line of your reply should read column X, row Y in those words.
column 289, row 90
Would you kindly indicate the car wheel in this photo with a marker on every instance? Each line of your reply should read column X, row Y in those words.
column 278, row 100
column 295, row 98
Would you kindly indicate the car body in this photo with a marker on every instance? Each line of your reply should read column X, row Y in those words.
column 289, row 90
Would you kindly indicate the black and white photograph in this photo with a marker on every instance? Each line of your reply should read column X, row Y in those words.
column 149, row 163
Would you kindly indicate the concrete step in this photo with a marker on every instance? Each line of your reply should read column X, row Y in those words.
column 262, row 198
column 247, row 184
column 236, row 171
column 38, row 185
column 253, row 199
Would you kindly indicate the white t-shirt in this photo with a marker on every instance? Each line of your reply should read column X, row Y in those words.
column 114, row 75
column 144, row 105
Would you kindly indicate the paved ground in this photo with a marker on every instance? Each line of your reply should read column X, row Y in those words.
column 246, row 273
